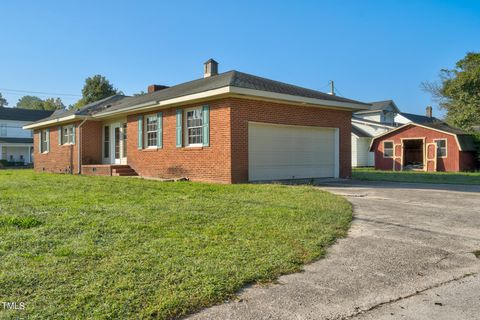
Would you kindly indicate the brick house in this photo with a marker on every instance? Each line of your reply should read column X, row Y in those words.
column 230, row 127
column 430, row 146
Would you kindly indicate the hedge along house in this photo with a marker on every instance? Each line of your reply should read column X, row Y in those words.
column 230, row 128
column 431, row 146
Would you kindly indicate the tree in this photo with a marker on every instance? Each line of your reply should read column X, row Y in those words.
column 30, row 102
column 141, row 93
column 35, row 103
column 458, row 92
column 53, row 104
column 3, row 101
column 95, row 88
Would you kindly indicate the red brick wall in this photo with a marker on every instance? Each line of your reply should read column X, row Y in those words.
column 99, row 170
column 212, row 163
column 450, row 163
column 244, row 111
column 64, row 158
column 91, row 142
column 60, row 158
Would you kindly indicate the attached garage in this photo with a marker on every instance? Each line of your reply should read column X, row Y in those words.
column 277, row 152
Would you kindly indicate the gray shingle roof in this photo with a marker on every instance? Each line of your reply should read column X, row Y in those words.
column 231, row 78
column 91, row 108
column 16, row 140
column 418, row 118
column 23, row 114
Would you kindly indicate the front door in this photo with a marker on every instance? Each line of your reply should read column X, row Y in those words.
column 119, row 146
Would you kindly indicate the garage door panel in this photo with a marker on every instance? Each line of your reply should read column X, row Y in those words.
column 286, row 152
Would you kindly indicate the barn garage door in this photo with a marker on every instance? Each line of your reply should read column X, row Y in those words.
column 291, row 152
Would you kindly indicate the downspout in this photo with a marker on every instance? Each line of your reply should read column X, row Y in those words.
column 79, row 153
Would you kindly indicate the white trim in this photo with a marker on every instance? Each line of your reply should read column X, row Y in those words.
column 72, row 134
column 337, row 154
column 54, row 121
column 393, row 149
column 185, row 128
column 144, row 131
column 446, row 147
column 303, row 100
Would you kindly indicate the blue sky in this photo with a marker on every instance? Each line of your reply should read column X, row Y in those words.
column 374, row 50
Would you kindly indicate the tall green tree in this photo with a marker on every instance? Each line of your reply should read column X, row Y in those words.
column 35, row 103
column 458, row 92
column 30, row 102
column 95, row 88
column 3, row 101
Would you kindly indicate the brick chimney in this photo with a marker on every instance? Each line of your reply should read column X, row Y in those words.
column 155, row 87
column 210, row 68
column 428, row 111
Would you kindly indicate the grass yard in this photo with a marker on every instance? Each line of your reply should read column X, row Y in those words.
column 413, row 176
column 119, row 248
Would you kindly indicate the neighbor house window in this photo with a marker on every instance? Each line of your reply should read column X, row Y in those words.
column 3, row 130
column 194, row 127
column 44, row 141
column 106, row 141
column 441, row 148
column 151, row 129
column 68, row 135
column 387, row 149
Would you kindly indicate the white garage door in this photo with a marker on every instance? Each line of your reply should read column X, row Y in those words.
column 291, row 152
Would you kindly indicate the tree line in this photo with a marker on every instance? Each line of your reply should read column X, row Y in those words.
column 95, row 88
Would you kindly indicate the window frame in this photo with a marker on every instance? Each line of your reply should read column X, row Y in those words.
column 392, row 148
column 446, row 149
column 46, row 141
column 106, row 143
column 186, row 127
column 70, row 135
column 146, row 131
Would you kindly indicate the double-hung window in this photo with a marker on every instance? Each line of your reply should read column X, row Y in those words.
column 44, row 141
column 68, row 135
column 441, row 148
column 151, row 130
column 388, row 149
column 3, row 130
column 194, row 127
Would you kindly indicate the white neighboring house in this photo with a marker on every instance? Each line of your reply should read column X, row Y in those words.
column 16, row 144
column 366, row 124
column 382, row 116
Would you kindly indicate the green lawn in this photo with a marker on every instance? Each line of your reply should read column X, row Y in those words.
column 413, row 176
column 121, row 248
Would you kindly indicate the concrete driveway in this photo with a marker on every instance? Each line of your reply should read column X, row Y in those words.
column 408, row 255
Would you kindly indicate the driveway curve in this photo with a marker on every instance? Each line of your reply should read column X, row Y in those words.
column 410, row 254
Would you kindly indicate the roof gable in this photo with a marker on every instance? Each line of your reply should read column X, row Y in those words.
column 385, row 105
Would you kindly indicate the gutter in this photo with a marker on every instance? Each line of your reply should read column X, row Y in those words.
column 53, row 121
column 79, row 153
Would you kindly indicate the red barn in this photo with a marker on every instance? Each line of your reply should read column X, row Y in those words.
column 432, row 146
